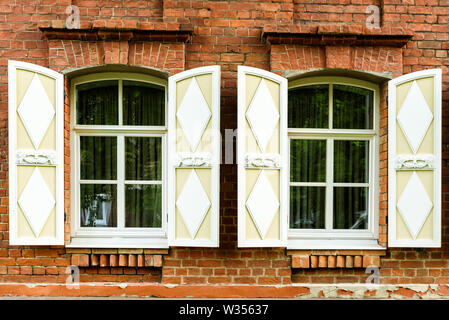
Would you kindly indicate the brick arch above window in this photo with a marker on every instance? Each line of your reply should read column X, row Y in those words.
column 296, row 48
column 156, row 45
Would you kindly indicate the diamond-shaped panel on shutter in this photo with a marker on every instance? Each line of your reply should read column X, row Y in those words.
column 414, row 205
column 36, row 111
column 193, row 114
column 193, row 204
column 415, row 117
column 36, row 202
column 262, row 204
column 262, row 115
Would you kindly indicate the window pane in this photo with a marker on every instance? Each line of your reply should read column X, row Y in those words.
column 351, row 161
column 143, row 206
column 308, row 107
column 143, row 158
column 98, row 205
column 307, row 160
column 97, row 103
column 143, row 104
column 98, row 157
column 307, row 207
column 353, row 108
column 350, row 208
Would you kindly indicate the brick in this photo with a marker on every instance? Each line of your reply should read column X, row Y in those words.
column 132, row 260
column 148, row 260
column 358, row 262
column 122, row 260
column 104, row 260
column 340, row 262
column 94, row 260
column 349, row 261
column 313, row 261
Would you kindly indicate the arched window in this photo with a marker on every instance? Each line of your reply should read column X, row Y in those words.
column 119, row 152
column 333, row 160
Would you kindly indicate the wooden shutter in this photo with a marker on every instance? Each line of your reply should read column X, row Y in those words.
column 36, row 155
column 262, row 158
column 414, row 160
column 194, row 157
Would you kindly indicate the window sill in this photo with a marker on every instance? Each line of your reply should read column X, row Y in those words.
column 333, row 244
column 119, row 243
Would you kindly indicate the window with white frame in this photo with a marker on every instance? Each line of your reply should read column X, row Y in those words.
column 118, row 145
column 333, row 154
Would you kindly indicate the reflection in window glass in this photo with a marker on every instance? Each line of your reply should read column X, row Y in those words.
column 350, row 208
column 98, row 205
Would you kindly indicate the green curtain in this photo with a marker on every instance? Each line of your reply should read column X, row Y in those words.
column 143, row 104
column 97, row 103
column 308, row 107
column 352, row 108
column 143, row 162
column 307, row 164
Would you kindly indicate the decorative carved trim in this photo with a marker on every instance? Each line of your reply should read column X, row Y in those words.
column 263, row 160
column 36, row 157
column 415, row 162
column 194, row 160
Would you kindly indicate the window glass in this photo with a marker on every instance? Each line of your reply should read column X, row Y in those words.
column 307, row 207
column 308, row 160
column 351, row 161
column 143, row 104
column 352, row 107
column 98, row 157
column 308, row 107
column 98, row 205
column 143, row 158
column 143, row 205
column 350, row 208
column 97, row 103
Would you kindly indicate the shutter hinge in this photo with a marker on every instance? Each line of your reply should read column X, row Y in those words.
column 65, row 217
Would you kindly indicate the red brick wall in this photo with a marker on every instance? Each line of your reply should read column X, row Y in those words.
column 227, row 33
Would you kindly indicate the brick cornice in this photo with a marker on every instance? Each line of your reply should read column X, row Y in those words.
column 123, row 30
column 337, row 35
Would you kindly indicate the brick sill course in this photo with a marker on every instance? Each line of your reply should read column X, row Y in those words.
column 305, row 259
column 302, row 291
column 117, row 257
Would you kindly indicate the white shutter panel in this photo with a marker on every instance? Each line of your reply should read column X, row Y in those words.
column 36, row 155
column 262, row 158
column 414, row 160
column 194, row 157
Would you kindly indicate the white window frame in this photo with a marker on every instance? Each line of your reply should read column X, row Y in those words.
column 329, row 238
column 117, row 237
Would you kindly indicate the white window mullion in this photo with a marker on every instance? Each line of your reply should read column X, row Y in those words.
column 120, row 102
column 329, row 183
column 120, row 181
column 331, row 105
